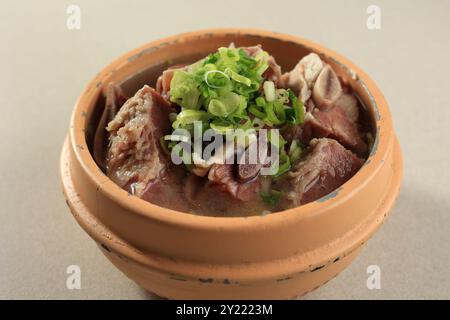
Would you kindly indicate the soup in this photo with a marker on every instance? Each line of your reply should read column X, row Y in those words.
column 230, row 134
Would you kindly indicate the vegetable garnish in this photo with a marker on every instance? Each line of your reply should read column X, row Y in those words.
column 222, row 84
column 275, row 113
column 227, row 91
column 298, row 115
column 184, row 90
column 218, row 82
column 284, row 165
column 186, row 117
column 269, row 90
column 295, row 151
column 271, row 198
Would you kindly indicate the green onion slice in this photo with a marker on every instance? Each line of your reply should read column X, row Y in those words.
column 284, row 165
column 225, row 105
column 295, row 151
column 221, row 82
column 297, row 106
column 257, row 111
column 188, row 116
column 237, row 77
column 269, row 90
column 271, row 198
column 275, row 113
column 221, row 126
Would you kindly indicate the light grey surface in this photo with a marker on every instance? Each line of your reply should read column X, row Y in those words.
column 45, row 66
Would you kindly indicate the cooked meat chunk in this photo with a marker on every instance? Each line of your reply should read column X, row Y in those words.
column 333, row 123
column 248, row 171
column 223, row 177
column 273, row 73
column 163, row 81
column 292, row 132
column 253, row 159
column 327, row 88
column 349, row 104
column 327, row 166
column 252, row 51
column 309, row 105
column 135, row 157
column 114, row 99
column 301, row 79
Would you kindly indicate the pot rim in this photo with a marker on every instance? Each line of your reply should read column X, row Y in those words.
column 383, row 142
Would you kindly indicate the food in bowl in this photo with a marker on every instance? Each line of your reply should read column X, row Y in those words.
column 316, row 128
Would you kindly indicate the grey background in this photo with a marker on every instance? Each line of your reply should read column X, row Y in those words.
column 44, row 67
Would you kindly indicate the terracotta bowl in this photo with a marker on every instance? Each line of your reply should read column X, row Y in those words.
column 183, row 256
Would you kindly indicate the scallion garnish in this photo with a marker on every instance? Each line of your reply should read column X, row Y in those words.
column 271, row 198
column 295, row 151
column 226, row 90
column 186, row 117
column 269, row 90
column 297, row 106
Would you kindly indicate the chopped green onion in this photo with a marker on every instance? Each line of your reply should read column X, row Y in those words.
column 248, row 124
column 269, row 90
column 260, row 102
column 240, row 121
column 220, row 81
column 295, row 151
column 237, row 77
column 275, row 113
column 217, row 108
column 271, row 198
column 257, row 112
column 282, row 95
column 297, row 106
column 241, row 107
column 262, row 68
column 221, row 126
column 278, row 143
column 257, row 123
column 188, row 116
column 262, row 57
column 184, row 90
column 225, row 105
column 284, row 165
column 228, row 54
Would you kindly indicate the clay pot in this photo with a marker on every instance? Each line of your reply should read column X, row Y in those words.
column 184, row 256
